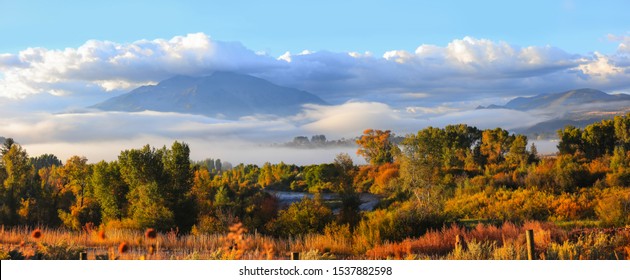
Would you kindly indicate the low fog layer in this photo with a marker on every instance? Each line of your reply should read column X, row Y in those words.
column 102, row 135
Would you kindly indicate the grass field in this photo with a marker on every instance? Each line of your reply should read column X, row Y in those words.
column 480, row 242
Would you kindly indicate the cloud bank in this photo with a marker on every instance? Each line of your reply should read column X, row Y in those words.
column 464, row 69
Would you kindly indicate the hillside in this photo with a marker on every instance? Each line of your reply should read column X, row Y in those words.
column 222, row 94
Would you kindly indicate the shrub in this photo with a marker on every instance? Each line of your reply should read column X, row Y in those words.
column 613, row 208
column 306, row 216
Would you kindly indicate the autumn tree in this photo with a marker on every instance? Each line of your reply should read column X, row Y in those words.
column 85, row 208
column 202, row 191
column 376, row 146
column 53, row 181
column 495, row 144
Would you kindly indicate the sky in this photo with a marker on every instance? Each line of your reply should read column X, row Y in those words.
column 399, row 65
column 340, row 26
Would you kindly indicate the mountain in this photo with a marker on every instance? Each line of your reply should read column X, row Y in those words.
column 563, row 100
column 578, row 107
column 222, row 94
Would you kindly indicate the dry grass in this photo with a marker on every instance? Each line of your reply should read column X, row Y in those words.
column 503, row 242
column 506, row 242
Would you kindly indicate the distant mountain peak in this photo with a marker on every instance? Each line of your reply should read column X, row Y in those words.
column 583, row 96
column 221, row 93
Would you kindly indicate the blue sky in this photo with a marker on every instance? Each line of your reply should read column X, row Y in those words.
column 277, row 26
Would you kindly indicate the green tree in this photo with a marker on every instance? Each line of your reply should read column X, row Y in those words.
column 350, row 200
column 620, row 168
column 569, row 175
column 421, row 162
column 143, row 171
column 518, row 157
column 622, row 131
column 6, row 146
column 109, row 190
column 45, row 160
column 77, row 172
column 460, row 140
column 570, row 140
column 177, row 190
column 533, row 154
column 218, row 165
column 599, row 139
column 148, row 208
column 322, row 177
column 18, row 183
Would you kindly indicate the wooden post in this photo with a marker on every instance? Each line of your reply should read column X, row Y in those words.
column 82, row 256
column 530, row 244
column 295, row 256
column 460, row 242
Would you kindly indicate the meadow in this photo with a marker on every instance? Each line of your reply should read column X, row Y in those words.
column 481, row 242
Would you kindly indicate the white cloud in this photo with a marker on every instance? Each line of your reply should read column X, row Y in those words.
column 464, row 69
column 601, row 68
column 624, row 43
column 122, row 66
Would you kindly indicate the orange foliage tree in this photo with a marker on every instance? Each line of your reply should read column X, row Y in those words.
column 376, row 147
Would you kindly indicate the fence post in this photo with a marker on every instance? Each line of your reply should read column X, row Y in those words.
column 460, row 243
column 295, row 256
column 530, row 244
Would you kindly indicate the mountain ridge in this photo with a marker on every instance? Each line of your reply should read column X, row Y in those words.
column 221, row 94
column 578, row 107
column 574, row 97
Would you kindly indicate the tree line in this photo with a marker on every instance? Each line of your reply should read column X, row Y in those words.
column 432, row 177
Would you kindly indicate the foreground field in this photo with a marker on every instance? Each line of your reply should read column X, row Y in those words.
column 481, row 242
